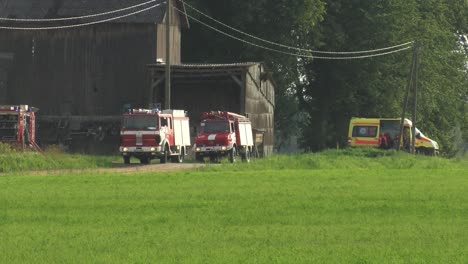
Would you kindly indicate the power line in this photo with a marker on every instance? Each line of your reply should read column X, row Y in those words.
column 295, row 48
column 290, row 53
column 82, row 24
column 74, row 18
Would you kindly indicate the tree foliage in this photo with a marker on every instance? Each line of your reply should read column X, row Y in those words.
column 375, row 87
column 330, row 92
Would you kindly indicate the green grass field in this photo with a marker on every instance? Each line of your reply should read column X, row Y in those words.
column 351, row 206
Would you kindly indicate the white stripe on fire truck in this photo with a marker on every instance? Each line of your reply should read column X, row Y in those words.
column 139, row 132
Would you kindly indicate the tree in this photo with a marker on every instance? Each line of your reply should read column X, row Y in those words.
column 375, row 87
column 328, row 93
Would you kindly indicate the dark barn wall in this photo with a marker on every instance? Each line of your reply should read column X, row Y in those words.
column 203, row 97
column 5, row 64
column 86, row 71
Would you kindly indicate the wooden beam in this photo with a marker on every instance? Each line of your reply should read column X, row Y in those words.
column 243, row 93
column 174, row 69
column 73, row 118
column 154, row 85
column 199, row 83
column 236, row 80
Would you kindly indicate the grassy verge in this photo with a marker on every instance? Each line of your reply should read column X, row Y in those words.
column 51, row 159
column 333, row 207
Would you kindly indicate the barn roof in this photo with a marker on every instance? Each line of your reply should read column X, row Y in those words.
column 205, row 72
column 40, row 9
column 215, row 68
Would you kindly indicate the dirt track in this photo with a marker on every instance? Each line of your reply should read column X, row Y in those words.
column 120, row 168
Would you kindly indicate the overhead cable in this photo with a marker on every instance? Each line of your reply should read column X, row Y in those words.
column 82, row 24
column 291, row 47
column 291, row 53
column 76, row 17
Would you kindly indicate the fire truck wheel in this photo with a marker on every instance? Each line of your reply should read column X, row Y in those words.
column 199, row 158
column 232, row 155
column 246, row 155
column 179, row 158
column 164, row 158
column 145, row 160
column 214, row 159
column 126, row 160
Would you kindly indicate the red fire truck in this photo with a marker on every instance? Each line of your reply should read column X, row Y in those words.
column 148, row 134
column 224, row 134
column 18, row 126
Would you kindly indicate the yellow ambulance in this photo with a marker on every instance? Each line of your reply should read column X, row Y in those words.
column 384, row 133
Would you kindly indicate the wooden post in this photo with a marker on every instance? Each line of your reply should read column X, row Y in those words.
column 167, row 97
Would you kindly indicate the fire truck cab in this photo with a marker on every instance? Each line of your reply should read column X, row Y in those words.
column 18, row 126
column 224, row 134
column 384, row 133
column 149, row 134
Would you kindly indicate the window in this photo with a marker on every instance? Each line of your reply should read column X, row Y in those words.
column 215, row 127
column 140, row 122
column 364, row 131
column 163, row 121
column 419, row 134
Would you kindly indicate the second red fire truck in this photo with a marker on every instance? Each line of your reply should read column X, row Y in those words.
column 224, row 134
column 149, row 134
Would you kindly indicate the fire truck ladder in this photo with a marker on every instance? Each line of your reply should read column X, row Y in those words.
column 224, row 115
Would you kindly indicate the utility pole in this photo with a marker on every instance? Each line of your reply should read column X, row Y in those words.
column 415, row 99
column 405, row 100
column 167, row 98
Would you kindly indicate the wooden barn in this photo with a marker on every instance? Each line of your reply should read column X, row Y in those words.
column 245, row 88
column 81, row 78
column 90, row 70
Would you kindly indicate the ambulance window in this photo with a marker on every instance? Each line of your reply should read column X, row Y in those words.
column 364, row 131
column 169, row 122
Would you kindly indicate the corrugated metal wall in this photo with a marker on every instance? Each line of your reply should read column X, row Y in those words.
column 203, row 97
column 259, row 104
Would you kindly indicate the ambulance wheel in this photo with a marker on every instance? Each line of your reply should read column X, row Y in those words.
column 164, row 158
column 246, row 155
column 179, row 158
column 232, row 155
column 126, row 160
